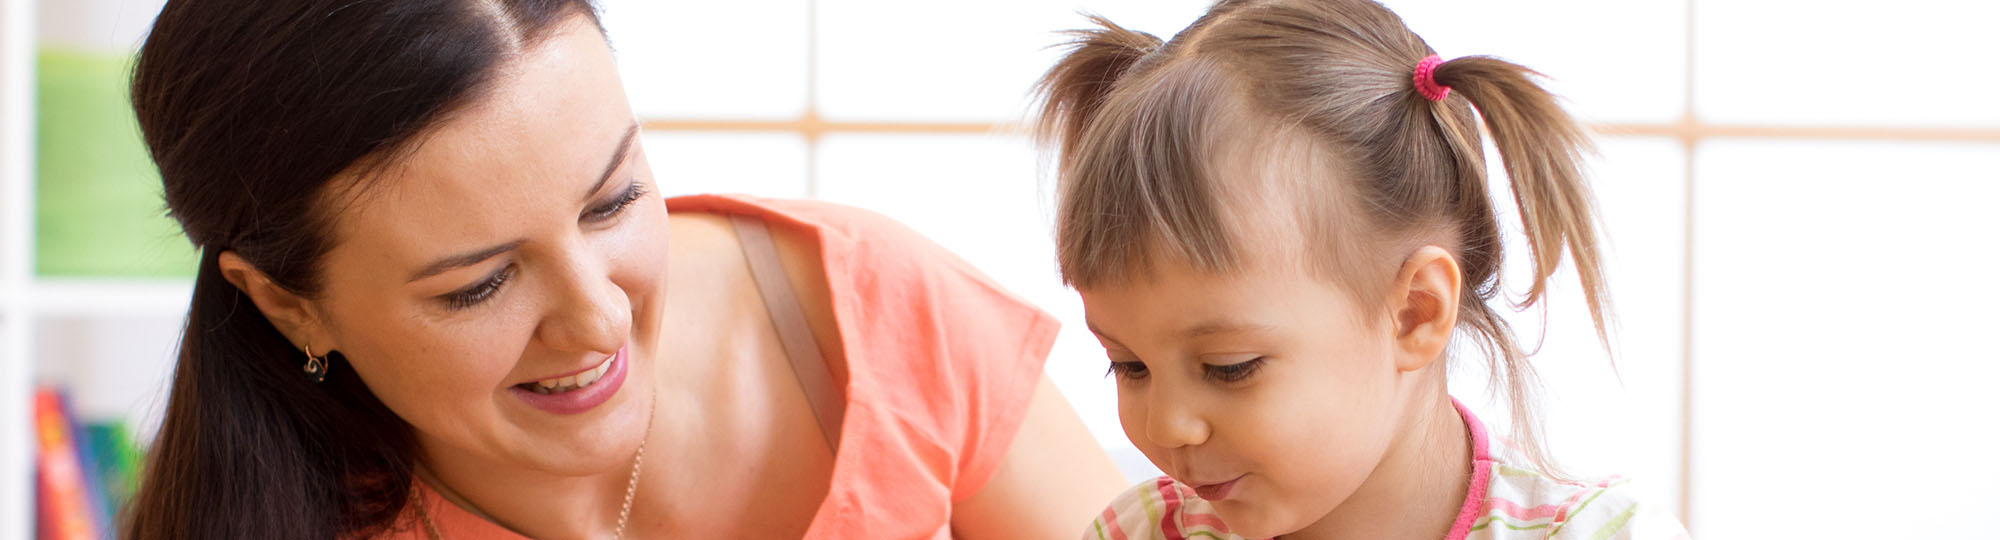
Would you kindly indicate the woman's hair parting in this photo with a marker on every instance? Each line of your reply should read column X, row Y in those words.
column 1140, row 124
column 252, row 110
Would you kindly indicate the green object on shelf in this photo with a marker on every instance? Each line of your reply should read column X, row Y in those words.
column 117, row 459
column 98, row 208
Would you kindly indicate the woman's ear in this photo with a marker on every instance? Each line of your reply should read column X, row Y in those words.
column 1425, row 303
column 293, row 315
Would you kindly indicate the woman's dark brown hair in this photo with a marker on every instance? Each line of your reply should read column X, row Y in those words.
column 260, row 115
column 1141, row 125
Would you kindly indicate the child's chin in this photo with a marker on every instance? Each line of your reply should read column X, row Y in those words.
column 1251, row 522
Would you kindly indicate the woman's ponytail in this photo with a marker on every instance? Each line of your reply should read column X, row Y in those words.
column 252, row 448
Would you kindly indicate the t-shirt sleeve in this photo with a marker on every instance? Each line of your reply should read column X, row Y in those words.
column 1005, row 343
column 972, row 350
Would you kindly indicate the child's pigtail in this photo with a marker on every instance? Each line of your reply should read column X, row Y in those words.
column 1073, row 90
column 1542, row 149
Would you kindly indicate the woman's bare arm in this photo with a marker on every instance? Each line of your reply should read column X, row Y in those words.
column 1054, row 480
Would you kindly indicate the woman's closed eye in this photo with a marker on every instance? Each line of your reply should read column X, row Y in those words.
column 610, row 209
column 471, row 296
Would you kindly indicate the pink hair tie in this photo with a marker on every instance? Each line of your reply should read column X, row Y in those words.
column 1426, row 83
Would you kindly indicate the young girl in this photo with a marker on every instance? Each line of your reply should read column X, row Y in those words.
column 1279, row 221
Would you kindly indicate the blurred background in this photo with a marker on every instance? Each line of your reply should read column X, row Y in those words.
column 1799, row 198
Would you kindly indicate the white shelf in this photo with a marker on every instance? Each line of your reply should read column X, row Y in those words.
column 93, row 297
column 17, row 35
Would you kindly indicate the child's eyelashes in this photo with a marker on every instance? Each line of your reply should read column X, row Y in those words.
column 1226, row 373
column 1230, row 373
column 1130, row 371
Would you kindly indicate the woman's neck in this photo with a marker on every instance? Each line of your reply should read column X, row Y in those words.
column 531, row 503
column 1418, row 488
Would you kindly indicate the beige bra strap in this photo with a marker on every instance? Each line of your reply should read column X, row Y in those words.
column 793, row 330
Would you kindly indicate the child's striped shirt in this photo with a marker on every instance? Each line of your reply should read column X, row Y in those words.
column 1507, row 499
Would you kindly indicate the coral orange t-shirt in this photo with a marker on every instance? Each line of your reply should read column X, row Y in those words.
column 941, row 363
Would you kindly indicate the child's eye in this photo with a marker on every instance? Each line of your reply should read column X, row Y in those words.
column 611, row 209
column 1128, row 370
column 1234, row 372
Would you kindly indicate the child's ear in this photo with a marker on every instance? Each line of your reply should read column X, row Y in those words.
column 1425, row 303
column 293, row 315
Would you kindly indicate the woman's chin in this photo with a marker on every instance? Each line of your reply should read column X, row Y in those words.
column 587, row 444
column 580, row 456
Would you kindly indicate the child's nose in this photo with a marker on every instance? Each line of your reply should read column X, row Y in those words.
column 1174, row 423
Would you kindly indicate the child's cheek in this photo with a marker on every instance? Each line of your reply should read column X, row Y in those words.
column 1314, row 445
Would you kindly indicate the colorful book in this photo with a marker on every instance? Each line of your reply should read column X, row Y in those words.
column 63, row 501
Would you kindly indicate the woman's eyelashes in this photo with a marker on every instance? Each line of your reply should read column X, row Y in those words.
column 478, row 292
column 610, row 209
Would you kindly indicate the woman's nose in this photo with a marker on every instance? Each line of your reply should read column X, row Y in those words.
column 588, row 311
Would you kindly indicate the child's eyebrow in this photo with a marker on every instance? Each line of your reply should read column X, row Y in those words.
column 1203, row 329
column 1210, row 328
column 1100, row 333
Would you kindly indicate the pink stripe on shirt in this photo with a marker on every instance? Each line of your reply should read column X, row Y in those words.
column 1523, row 514
column 1172, row 502
column 1482, row 469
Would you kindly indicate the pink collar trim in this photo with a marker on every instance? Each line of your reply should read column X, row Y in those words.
column 1482, row 469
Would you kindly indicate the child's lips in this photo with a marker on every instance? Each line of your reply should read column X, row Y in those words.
column 1216, row 491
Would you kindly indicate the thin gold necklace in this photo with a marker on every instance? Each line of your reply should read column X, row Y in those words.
column 624, row 510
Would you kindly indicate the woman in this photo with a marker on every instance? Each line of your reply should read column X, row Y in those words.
column 437, row 301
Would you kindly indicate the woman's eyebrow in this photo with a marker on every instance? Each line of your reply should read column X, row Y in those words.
column 617, row 157
column 466, row 259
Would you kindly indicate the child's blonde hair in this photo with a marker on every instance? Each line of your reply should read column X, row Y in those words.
column 1141, row 125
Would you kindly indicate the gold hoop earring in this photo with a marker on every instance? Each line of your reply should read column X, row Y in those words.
column 316, row 366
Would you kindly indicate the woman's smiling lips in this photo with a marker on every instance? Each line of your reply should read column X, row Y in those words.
column 573, row 373
column 574, row 398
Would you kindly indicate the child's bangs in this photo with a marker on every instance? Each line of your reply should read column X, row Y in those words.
column 1138, row 187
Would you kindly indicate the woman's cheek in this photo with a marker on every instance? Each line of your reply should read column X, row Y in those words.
column 636, row 250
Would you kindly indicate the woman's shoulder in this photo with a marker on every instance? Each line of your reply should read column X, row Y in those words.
column 909, row 312
column 849, row 234
column 1158, row 508
column 941, row 360
column 843, row 221
column 884, row 273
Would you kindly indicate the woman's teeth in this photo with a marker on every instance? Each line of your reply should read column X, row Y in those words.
column 565, row 384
